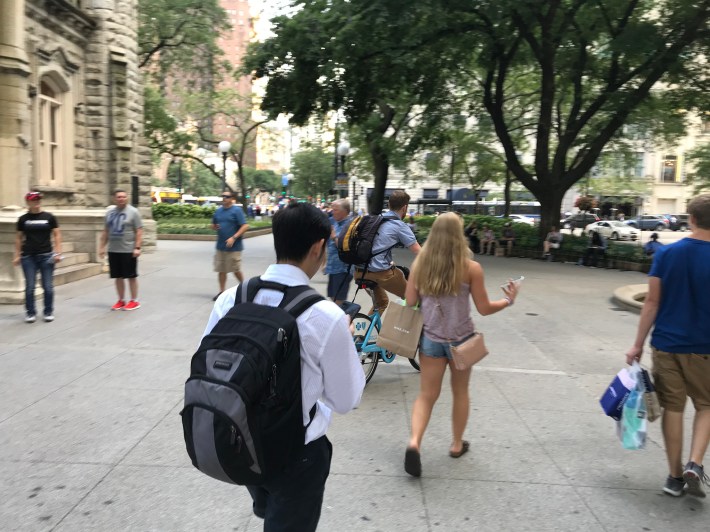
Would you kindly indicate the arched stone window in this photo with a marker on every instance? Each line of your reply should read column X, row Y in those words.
column 54, row 132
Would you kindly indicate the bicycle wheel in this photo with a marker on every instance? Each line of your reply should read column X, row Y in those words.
column 368, row 360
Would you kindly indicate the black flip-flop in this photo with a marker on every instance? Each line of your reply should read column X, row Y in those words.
column 459, row 454
column 413, row 462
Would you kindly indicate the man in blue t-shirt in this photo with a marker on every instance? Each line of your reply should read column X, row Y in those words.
column 339, row 274
column 230, row 224
column 392, row 232
column 677, row 306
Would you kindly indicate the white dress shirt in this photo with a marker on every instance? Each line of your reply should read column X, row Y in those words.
column 331, row 373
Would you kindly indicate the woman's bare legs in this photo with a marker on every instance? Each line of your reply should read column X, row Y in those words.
column 431, row 376
column 459, row 411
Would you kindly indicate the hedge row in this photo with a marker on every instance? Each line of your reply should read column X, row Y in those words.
column 527, row 237
column 184, row 210
column 193, row 226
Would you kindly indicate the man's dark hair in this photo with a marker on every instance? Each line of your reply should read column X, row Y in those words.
column 296, row 228
column 700, row 209
column 119, row 190
column 398, row 199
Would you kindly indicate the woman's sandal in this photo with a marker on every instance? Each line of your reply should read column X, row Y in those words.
column 413, row 462
column 459, row 454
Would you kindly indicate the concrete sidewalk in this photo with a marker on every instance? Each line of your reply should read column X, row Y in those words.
column 90, row 436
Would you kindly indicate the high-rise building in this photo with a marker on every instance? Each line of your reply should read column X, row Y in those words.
column 233, row 44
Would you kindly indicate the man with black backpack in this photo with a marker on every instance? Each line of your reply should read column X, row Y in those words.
column 391, row 233
column 287, row 496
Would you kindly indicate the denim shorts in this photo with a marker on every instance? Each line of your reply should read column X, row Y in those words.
column 434, row 349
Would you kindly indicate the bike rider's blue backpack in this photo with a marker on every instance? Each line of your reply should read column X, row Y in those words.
column 243, row 420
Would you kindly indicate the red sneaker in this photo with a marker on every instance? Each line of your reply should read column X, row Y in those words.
column 119, row 305
column 132, row 305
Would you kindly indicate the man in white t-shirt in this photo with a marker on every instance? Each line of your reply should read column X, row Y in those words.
column 331, row 374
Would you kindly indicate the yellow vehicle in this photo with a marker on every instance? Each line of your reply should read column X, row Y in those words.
column 164, row 195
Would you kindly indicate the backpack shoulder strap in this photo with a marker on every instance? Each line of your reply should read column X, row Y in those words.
column 247, row 290
column 298, row 298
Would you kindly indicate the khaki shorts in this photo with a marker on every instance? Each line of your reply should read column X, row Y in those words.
column 227, row 261
column 678, row 376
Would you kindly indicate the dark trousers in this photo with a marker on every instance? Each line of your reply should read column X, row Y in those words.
column 592, row 255
column 44, row 264
column 474, row 244
column 292, row 501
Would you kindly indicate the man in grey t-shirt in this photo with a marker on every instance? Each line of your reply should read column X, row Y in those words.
column 123, row 231
column 381, row 268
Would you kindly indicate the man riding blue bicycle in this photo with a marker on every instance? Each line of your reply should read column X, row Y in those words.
column 381, row 268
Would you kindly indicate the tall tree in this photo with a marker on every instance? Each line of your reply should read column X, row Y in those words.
column 261, row 180
column 180, row 56
column 312, row 172
column 179, row 35
column 699, row 158
column 327, row 57
column 558, row 78
column 593, row 65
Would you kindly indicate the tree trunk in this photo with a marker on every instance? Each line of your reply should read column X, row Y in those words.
column 242, row 184
column 506, row 193
column 550, row 199
column 380, row 163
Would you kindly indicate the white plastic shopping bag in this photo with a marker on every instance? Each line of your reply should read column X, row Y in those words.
column 633, row 425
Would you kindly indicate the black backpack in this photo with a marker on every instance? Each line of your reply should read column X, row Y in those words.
column 243, row 420
column 355, row 241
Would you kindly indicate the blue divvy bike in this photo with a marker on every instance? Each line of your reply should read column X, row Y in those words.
column 367, row 327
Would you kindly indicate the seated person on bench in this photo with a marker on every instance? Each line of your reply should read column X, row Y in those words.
column 552, row 241
column 488, row 241
column 508, row 239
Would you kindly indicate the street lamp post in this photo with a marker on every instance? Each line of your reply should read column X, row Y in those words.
column 451, row 179
column 459, row 122
column 178, row 160
column 224, row 148
column 342, row 152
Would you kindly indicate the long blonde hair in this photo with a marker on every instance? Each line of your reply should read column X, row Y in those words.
column 442, row 264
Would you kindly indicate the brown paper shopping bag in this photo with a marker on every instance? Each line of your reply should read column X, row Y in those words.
column 400, row 331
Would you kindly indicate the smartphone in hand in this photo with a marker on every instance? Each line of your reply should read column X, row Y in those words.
column 350, row 308
column 517, row 280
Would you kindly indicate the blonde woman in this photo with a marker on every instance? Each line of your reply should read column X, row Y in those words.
column 443, row 280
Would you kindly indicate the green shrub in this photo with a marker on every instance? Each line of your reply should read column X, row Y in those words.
column 195, row 226
column 627, row 252
column 185, row 210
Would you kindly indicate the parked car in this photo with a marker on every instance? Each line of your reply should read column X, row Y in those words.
column 678, row 222
column 579, row 220
column 520, row 219
column 650, row 222
column 614, row 230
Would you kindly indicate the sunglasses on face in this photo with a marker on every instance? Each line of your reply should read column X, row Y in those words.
column 226, row 197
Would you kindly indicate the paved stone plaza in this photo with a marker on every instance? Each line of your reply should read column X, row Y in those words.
column 90, row 437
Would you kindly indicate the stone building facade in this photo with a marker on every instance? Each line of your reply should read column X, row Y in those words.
column 71, row 119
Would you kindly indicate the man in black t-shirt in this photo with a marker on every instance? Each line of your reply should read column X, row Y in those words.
column 34, row 250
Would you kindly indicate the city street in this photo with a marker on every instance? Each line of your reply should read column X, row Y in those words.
column 91, row 438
